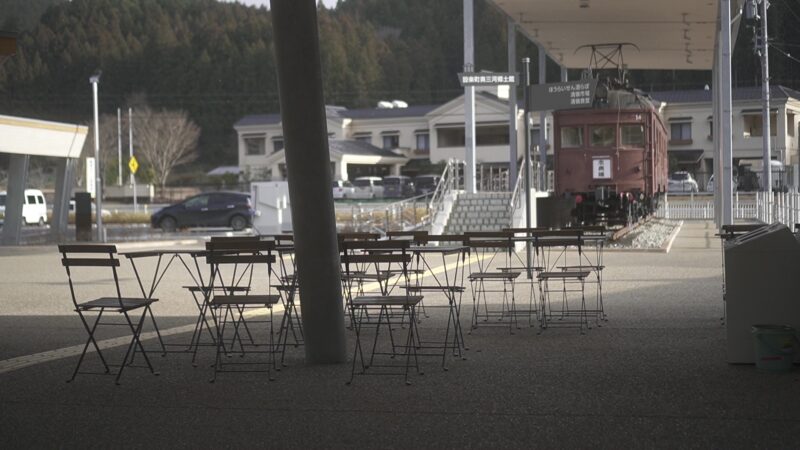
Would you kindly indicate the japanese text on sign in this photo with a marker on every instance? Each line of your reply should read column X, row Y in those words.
column 487, row 79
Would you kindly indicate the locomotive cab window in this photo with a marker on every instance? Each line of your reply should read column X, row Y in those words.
column 632, row 135
column 602, row 136
column 571, row 137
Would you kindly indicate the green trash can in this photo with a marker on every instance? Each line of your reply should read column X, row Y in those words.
column 775, row 347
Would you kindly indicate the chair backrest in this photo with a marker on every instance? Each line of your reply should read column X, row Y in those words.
column 358, row 236
column 380, row 258
column 490, row 245
column 236, row 253
column 89, row 255
column 459, row 238
column 418, row 237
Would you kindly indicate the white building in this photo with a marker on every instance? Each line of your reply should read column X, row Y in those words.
column 412, row 138
column 688, row 117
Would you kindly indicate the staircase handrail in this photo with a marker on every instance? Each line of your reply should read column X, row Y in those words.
column 446, row 184
column 512, row 205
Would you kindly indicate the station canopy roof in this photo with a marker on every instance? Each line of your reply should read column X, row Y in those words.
column 669, row 34
column 23, row 136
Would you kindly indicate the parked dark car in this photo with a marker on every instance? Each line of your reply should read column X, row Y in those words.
column 397, row 186
column 215, row 209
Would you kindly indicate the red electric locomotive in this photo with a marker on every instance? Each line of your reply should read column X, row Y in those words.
column 611, row 159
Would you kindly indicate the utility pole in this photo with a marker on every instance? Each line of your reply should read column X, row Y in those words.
column 767, row 128
column 119, row 147
column 94, row 80
column 756, row 10
column 130, row 155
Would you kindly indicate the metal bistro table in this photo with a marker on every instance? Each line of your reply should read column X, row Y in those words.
column 199, row 290
column 556, row 266
column 452, row 286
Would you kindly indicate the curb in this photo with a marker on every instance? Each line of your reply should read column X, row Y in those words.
column 663, row 249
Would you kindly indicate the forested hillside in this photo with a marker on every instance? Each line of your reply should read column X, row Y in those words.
column 215, row 59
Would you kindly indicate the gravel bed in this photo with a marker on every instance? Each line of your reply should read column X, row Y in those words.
column 653, row 234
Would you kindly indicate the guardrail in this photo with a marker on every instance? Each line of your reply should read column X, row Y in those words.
column 782, row 207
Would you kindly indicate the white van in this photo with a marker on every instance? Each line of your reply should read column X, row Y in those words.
column 34, row 209
column 368, row 187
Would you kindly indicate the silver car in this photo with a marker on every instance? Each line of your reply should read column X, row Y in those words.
column 682, row 182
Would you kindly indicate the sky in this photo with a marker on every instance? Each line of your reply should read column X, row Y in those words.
column 328, row 3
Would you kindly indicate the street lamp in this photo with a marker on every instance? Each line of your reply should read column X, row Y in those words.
column 94, row 80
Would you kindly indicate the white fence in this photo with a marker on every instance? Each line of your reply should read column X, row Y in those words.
column 783, row 207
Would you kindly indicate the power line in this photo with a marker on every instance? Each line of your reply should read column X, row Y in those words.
column 786, row 4
column 786, row 54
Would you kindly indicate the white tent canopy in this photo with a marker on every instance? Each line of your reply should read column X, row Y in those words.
column 22, row 136
column 670, row 34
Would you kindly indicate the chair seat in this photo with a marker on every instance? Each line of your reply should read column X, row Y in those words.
column 564, row 275
column 367, row 276
column 436, row 288
column 507, row 275
column 128, row 303
column 583, row 267
column 268, row 300
column 387, row 300
column 520, row 269
column 217, row 288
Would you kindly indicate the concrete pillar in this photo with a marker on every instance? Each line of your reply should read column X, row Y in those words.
column 396, row 169
column 15, row 198
column 542, row 123
column 65, row 172
column 308, row 161
column 716, row 138
column 564, row 74
column 469, row 99
column 726, row 102
column 513, row 151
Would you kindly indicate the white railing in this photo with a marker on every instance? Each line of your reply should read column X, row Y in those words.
column 450, row 185
column 781, row 207
column 404, row 215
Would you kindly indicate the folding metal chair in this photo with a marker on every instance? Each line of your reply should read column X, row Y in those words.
column 287, row 288
column 226, row 258
column 492, row 248
column 102, row 256
column 378, row 257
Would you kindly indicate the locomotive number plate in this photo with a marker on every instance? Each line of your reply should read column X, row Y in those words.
column 601, row 168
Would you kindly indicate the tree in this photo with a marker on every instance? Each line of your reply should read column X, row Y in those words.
column 164, row 139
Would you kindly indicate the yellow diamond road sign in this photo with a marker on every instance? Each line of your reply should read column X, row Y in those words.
column 133, row 165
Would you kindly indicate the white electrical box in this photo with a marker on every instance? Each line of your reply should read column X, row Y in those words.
column 273, row 209
column 762, row 286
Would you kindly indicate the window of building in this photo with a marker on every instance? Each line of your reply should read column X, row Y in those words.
column 680, row 131
column 277, row 145
column 255, row 145
column 450, row 137
column 632, row 135
column 710, row 128
column 491, row 135
column 391, row 141
column 363, row 137
column 602, row 136
column 571, row 137
column 754, row 125
column 790, row 124
column 423, row 141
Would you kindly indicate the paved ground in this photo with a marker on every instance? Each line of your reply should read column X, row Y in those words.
column 653, row 376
